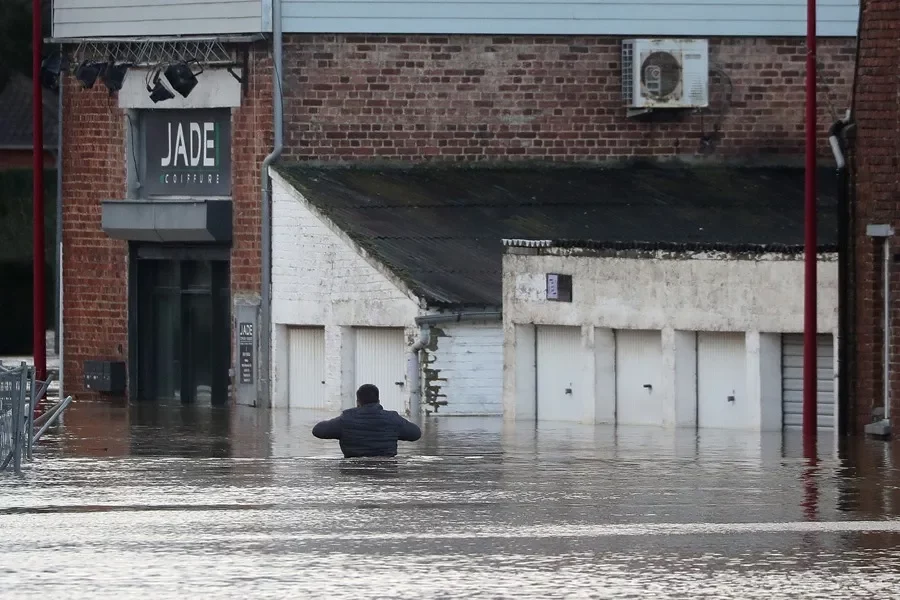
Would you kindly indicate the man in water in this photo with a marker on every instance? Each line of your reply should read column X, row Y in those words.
column 368, row 429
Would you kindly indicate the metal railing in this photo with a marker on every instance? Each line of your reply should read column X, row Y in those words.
column 20, row 393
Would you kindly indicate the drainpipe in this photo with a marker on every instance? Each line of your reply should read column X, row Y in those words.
column 59, row 240
column 882, row 428
column 265, row 370
column 843, row 222
column 413, row 373
column 413, row 368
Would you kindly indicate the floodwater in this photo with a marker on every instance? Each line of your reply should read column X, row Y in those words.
column 199, row 503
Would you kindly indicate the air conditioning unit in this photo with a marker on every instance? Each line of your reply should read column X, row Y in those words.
column 671, row 73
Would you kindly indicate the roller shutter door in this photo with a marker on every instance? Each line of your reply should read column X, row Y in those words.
column 792, row 380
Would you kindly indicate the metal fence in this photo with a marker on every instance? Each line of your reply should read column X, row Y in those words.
column 20, row 392
column 15, row 406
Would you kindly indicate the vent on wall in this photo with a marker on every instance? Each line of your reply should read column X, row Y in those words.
column 665, row 73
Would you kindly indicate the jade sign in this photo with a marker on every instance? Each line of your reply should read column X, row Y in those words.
column 187, row 152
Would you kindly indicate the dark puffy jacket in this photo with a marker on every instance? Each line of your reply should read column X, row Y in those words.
column 368, row 430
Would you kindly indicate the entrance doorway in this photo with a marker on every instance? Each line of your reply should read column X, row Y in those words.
column 183, row 328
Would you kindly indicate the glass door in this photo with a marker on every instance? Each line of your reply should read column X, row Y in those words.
column 183, row 346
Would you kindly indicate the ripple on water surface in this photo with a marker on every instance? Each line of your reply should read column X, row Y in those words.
column 239, row 504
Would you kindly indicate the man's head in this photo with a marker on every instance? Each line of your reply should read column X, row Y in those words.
column 366, row 394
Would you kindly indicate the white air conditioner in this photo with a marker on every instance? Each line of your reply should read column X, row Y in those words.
column 664, row 73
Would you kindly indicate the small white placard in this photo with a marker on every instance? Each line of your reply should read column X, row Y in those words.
column 552, row 286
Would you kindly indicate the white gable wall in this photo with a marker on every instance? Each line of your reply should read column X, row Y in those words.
column 321, row 278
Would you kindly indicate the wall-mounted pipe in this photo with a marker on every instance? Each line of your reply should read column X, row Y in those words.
column 413, row 371
column 885, row 231
column 844, row 314
column 491, row 315
column 265, row 339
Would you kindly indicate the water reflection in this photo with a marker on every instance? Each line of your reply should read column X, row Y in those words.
column 239, row 502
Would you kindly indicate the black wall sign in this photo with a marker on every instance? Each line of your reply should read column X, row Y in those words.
column 187, row 152
column 245, row 352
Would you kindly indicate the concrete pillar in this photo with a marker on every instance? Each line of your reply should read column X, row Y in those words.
column 763, row 351
column 279, row 367
column 588, row 384
column 604, row 375
column 334, row 366
column 679, row 378
column 771, row 402
column 347, row 342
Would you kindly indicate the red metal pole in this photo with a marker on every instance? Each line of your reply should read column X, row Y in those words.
column 809, row 305
column 39, row 329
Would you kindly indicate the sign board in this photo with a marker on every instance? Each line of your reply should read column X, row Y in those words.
column 559, row 287
column 245, row 352
column 186, row 152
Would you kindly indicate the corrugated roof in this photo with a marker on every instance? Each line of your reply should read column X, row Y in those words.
column 441, row 228
column 15, row 115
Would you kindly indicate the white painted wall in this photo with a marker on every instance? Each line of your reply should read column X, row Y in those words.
column 217, row 88
column 464, row 367
column 320, row 277
column 758, row 298
column 694, row 294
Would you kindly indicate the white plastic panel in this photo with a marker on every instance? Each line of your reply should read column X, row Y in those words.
column 722, row 381
column 638, row 377
column 650, row 18
column 560, row 393
column 306, row 356
column 381, row 360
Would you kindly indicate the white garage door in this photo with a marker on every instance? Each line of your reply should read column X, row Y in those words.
column 381, row 359
column 306, row 376
column 722, row 381
column 559, row 393
column 792, row 380
column 638, row 366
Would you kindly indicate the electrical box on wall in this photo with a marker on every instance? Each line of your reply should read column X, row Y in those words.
column 559, row 287
column 665, row 73
column 104, row 376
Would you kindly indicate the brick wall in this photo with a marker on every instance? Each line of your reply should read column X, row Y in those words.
column 351, row 97
column 251, row 141
column 95, row 267
column 877, row 173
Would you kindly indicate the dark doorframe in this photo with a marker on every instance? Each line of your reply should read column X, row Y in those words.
column 179, row 323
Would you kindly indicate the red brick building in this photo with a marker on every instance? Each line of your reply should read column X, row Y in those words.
column 497, row 96
column 876, row 150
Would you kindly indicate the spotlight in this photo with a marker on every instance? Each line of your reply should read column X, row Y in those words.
column 114, row 76
column 181, row 78
column 51, row 67
column 87, row 73
column 159, row 91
